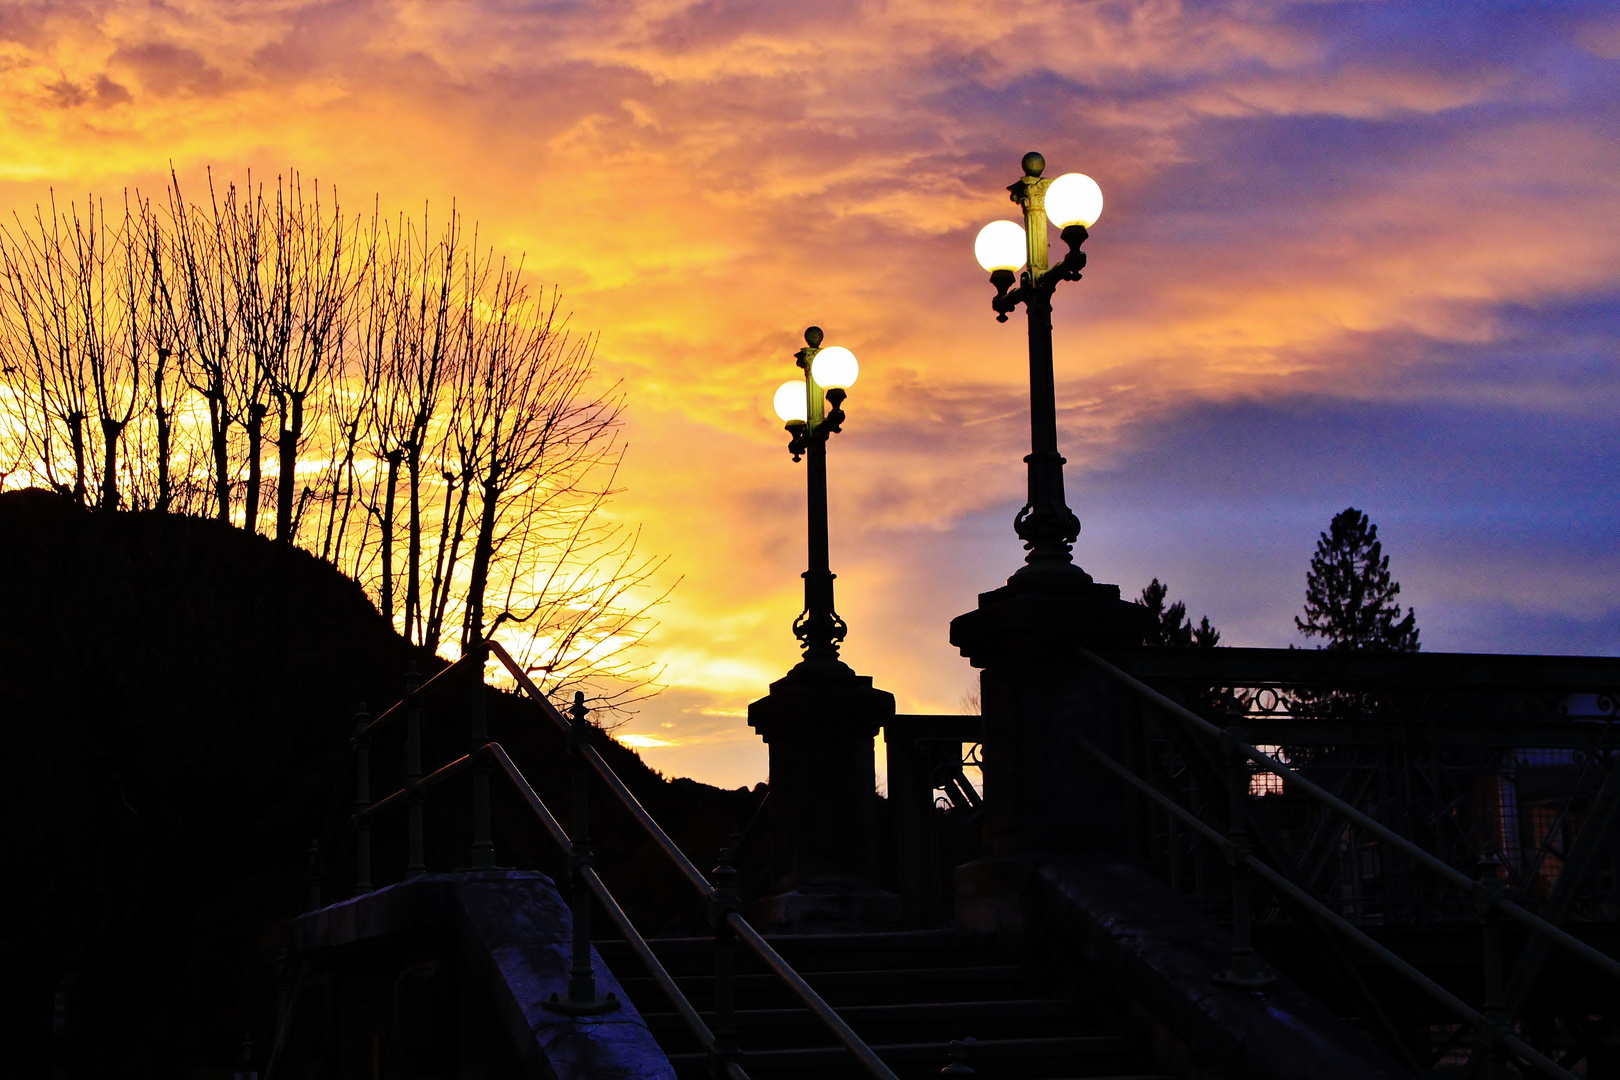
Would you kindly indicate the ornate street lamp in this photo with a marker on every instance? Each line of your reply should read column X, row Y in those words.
column 1017, row 260
column 820, row 719
column 828, row 373
column 1041, row 795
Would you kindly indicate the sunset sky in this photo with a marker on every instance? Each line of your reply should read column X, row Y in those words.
column 1352, row 254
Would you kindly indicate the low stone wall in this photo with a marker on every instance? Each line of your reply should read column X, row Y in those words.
column 446, row 971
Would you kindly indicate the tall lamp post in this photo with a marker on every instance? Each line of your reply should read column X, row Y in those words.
column 1041, row 796
column 820, row 719
column 828, row 375
column 1073, row 202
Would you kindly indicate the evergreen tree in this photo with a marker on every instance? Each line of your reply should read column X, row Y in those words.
column 1350, row 598
column 1170, row 623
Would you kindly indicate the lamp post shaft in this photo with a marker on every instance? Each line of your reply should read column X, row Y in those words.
column 1046, row 524
column 818, row 579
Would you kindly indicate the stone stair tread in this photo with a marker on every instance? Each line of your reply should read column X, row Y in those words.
column 824, row 942
column 909, row 993
column 811, row 953
column 903, row 1053
column 858, row 1014
column 987, row 972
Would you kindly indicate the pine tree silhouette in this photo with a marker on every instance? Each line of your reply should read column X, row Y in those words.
column 1170, row 624
column 1350, row 598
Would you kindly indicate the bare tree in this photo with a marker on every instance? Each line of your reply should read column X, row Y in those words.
column 422, row 397
column 538, row 446
column 164, row 330
column 386, row 334
column 43, row 331
column 293, row 277
column 78, row 317
column 203, row 282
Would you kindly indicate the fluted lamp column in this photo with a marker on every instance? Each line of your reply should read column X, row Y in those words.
column 819, row 721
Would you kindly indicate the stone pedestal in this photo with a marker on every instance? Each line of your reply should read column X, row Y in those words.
column 819, row 722
column 1043, row 795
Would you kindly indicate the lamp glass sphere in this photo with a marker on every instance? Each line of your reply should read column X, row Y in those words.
column 1001, row 245
column 835, row 366
column 1074, row 199
column 791, row 404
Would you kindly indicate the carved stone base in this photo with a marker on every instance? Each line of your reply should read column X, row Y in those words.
column 819, row 724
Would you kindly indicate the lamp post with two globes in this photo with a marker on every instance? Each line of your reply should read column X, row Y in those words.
column 820, row 719
column 828, row 373
column 1072, row 202
column 1041, row 795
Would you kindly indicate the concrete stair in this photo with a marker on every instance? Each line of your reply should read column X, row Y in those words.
column 908, row 994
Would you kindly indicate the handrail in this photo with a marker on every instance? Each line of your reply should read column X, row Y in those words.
column 1477, row 1020
column 1452, row 874
column 605, row 771
column 432, row 779
column 584, row 872
column 762, row 948
column 1492, row 1025
column 397, row 709
column 824, row 1012
column 638, row 944
column 548, row 820
column 1350, row 668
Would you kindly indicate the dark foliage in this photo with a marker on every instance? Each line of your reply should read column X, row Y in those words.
column 1171, row 626
column 176, row 698
column 1350, row 598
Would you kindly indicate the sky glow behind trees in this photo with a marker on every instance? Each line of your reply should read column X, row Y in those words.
column 1353, row 254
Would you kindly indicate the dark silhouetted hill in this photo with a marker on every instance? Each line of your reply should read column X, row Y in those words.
column 176, row 699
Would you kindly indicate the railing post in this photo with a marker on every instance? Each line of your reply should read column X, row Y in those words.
column 362, row 802
column 483, row 848
column 312, row 877
column 413, row 772
column 1244, row 973
column 726, row 901
column 1490, row 881
column 244, row 1061
column 582, row 999
column 1138, row 828
column 957, row 1055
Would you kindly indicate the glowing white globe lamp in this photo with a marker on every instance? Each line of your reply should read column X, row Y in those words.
column 1073, row 199
column 835, row 368
column 1001, row 245
column 791, row 403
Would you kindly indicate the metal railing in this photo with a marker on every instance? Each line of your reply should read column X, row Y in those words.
column 935, row 809
column 1459, row 753
column 485, row 756
column 1229, row 766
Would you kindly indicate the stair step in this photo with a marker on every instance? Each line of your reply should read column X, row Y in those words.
column 907, row 993
column 1016, row 1008
column 1106, row 1055
column 778, row 1028
column 910, row 949
column 843, row 989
